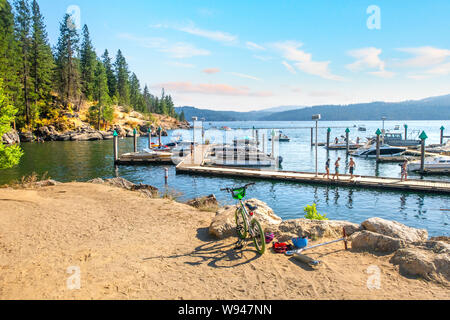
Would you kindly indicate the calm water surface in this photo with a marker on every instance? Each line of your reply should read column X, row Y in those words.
column 82, row 161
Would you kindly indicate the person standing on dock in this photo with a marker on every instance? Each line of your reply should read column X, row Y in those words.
column 336, row 166
column 336, row 140
column 404, row 175
column 327, row 169
column 352, row 166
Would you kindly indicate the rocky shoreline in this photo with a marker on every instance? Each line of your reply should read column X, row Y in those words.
column 83, row 133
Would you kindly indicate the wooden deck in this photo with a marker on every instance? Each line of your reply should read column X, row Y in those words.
column 310, row 178
column 194, row 165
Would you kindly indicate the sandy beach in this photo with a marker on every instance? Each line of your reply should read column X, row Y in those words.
column 128, row 246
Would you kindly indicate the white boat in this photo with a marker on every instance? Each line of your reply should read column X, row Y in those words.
column 432, row 164
column 281, row 138
column 362, row 128
column 147, row 154
column 385, row 151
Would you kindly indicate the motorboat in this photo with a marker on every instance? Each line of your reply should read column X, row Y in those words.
column 385, row 151
column 396, row 139
column 281, row 138
column 432, row 164
column 362, row 128
column 397, row 127
column 147, row 154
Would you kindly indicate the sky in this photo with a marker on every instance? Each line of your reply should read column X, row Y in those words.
column 251, row 55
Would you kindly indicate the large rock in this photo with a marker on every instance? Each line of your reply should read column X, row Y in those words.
column 315, row 229
column 10, row 138
column 395, row 229
column 375, row 242
column 208, row 202
column 26, row 136
column 88, row 136
column 145, row 189
column 224, row 223
column 424, row 262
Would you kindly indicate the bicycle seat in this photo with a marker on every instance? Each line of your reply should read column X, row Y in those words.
column 252, row 208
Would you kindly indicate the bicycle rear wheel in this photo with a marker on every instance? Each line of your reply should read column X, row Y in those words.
column 258, row 236
column 241, row 224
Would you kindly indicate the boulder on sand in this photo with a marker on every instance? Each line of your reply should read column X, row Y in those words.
column 209, row 202
column 375, row 242
column 424, row 262
column 224, row 223
column 314, row 229
column 395, row 229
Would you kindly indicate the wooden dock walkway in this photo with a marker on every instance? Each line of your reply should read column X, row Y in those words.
column 194, row 166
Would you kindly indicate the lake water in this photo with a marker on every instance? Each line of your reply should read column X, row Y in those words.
column 82, row 161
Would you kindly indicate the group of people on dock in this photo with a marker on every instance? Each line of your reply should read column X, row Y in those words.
column 337, row 165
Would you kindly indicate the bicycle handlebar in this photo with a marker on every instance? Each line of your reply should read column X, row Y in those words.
column 244, row 187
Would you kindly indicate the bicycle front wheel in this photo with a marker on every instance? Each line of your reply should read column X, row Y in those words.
column 241, row 224
column 258, row 236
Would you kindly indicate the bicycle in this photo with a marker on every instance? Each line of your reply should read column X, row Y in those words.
column 246, row 224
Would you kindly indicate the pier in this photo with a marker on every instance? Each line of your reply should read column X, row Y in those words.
column 193, row 165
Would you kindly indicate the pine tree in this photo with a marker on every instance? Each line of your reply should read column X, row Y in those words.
column 9, row 52
column 88, row 62
column 112, row 80
column 42, row 62
column 136, row 98
column 67, row 76
column 101, row 94
column 9, row 156
column 122, row 74
column 23, row 30
column 182, row 117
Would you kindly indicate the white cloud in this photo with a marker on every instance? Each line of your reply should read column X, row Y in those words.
column 253, row 46
column 369, row 58
column 245, row 76
column 290, row 68
column 424, row 56
column 219, row 36
column 304, row 62
column 178, row 50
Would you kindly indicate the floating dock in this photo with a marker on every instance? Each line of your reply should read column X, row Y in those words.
column 193, row 165
column 310, row 178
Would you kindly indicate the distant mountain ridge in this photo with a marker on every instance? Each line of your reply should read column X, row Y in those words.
column 433, row 108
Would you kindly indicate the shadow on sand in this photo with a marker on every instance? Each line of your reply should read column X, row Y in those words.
column 216, row 253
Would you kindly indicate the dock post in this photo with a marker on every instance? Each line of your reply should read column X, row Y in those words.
column 135, row 140
column 257, row 139
column 273, row 144
column 150, row 138
column 406, row 131
column 312, row 137
column 378, row 133
column 116, row 146
column 347, row 142
column 160, row 133
column 264, row 143
column 166, row 176
column 328, row 138
column 442, row 134
column 423, row 136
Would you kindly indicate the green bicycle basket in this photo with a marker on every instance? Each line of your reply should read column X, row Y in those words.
column 239, row 194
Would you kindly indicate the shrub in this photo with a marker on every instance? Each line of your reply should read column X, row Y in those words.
column 312, row 214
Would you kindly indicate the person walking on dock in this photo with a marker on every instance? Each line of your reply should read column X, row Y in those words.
column 327, row 169
column 336, row 166
column 352, row 166
column 404, row 175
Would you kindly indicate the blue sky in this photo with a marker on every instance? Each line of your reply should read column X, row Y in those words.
column 249, row 55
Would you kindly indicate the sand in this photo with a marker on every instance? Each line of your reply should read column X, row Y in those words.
column 127, row 246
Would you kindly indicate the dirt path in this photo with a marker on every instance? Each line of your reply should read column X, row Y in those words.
column 127, row 246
